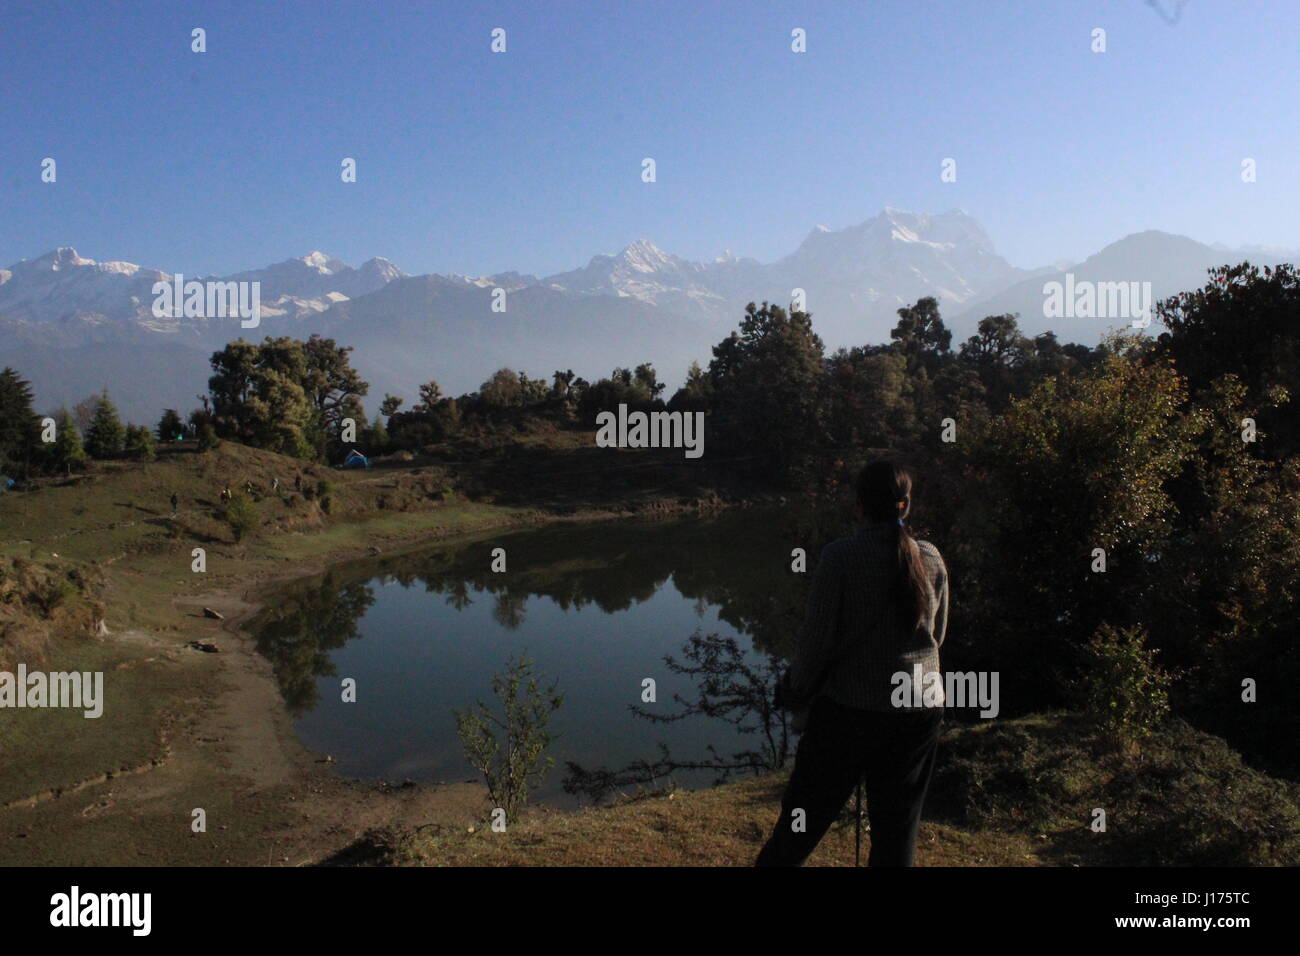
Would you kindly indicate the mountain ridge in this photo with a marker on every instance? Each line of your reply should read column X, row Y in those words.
column 641, row 303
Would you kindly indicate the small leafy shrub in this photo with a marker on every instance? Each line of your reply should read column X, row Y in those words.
column 510, row 750
column 1124, row 693
column 241, row 515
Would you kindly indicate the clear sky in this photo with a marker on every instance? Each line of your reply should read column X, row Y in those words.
column 475, row 162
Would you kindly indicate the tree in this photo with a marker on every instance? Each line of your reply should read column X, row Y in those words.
column 83, row 413
column 430, row 397
column 68, row 450
column 646, row 377
column 19, row 427
column 1243, row 322
column 1077, row 472
column 139, row 443
column 921, row 334
column 333, row 387
column 998, row 342
column 502, row 390
column 696, row 394
column 560, row 383
column 998, row 354
column 377, row 439
column 766, row 382
column 106, row 435
column 170, row 426
column 866, row 402
column 283, row 395
column 208, row 439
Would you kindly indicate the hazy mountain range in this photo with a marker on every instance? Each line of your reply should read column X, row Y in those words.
column 72, row 325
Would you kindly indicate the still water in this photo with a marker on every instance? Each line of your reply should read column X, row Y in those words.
column 598, row 607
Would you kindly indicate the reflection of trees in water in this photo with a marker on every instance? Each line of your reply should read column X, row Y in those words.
column 458, row 595
column 738, row 563
column 728, row 688
column 509, row 609
column 300, row 630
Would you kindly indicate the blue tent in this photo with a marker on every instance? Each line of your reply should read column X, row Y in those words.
column 356, row 460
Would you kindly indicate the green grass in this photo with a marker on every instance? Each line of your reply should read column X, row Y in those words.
column 53, row 748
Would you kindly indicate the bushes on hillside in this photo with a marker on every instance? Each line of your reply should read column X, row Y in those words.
column 1122, row 691
column 139, row 443
column 241, row 515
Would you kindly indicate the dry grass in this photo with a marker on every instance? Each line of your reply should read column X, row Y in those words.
column 723, row 826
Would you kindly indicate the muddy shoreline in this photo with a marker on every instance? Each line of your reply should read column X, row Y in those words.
column 228, row 743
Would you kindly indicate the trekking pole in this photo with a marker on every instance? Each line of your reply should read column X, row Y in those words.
column 857, row 826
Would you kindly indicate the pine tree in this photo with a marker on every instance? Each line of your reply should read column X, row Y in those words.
column 68, row 450
column 378, row 436
column 106, row 436
column 139, row 443
column 19, row 430
column 170, row 426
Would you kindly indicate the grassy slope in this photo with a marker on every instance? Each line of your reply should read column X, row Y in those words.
column 114, row 525
column 1014, row 793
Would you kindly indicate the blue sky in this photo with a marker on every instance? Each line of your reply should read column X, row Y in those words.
column 473, row 162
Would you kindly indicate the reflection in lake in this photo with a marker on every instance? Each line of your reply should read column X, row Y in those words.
column 598, row 607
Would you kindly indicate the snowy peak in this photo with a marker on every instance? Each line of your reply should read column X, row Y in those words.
column 899, row 227
column 321, row 263
column 61, row 258
column 66, row 259
column 643, row 255
column 62, row 284
column 381, row 269
column 642, row 271
column 850, row 275
column 320, row 278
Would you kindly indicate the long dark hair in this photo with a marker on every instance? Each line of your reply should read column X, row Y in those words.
column 884, row 491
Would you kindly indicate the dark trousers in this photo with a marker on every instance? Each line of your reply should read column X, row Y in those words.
column 892, row 751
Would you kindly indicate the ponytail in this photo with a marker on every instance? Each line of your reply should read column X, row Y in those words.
column 885, row 494
column 914, row 586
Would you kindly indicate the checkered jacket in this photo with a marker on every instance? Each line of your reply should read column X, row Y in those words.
column 853, row 636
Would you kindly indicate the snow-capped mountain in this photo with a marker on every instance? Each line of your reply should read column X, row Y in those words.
column 643, row 271
column 63, row 314
column 61, row 284
column 316, row 275
column 65, row 287
column 853, row 280
column 1170, row 263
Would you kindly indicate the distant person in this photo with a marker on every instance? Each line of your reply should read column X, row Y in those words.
column 225, row 493
column 275, row 485
column 297, row 482
column 878, row 607
column 175, row 502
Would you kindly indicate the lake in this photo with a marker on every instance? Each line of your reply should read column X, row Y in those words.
column 597, row 607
